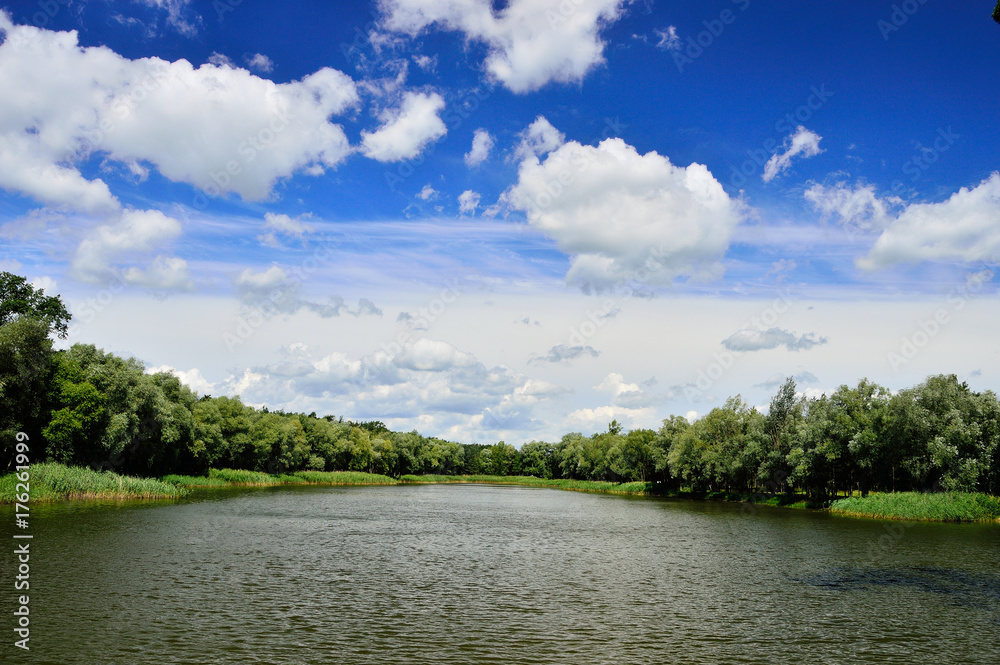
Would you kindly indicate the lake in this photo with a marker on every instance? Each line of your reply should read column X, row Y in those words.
column 496, row 574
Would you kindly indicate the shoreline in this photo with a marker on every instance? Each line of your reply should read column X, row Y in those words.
column 55, row 482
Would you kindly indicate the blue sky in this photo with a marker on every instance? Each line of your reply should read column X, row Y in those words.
column 510, row 220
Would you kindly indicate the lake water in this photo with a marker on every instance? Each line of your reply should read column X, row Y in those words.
column 494, row 574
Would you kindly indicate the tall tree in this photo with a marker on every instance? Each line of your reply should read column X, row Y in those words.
column 19, row 299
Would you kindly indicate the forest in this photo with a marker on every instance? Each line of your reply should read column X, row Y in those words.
column 85, row 407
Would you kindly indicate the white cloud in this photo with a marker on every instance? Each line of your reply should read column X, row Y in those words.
column 273, row 291
column 135, row 232
column 167, row 273
column 405, row 131
column 482, row 143
column 753, row 339
column 803, row 142
column 468, row 201
column 259, row 62
column 427, row 355
column 964, row 228
column 856, row 207
column 191, row 378
column 428, row 193
column 218, row 128
column 220, row 60
column 177, row 15
column 669, row 39
column 539, row 138
column 625, row 216
column 614, row 383
column 42, row 282
column 530, row 42
column 275, row 224
column 596, row 420
column 426, row 62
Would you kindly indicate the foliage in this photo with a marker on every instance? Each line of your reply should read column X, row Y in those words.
column 19, row 299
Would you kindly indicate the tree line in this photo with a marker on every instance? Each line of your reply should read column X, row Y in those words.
column 91, row 408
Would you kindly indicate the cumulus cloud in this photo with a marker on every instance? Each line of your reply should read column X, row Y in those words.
column 165, row 273
column 752, row 339
column 192, row 378
column 136, row 232
column 427, row 355
column 428, row 193
column 468, row 201
column 274, row 291
column 482, row 143
column 802, row 143
column 530, row 42
column 595, row 420
column 219, row 128
column 563, row 353
column 405, row 131
column 624, row 216
column 539, row 138
column 963, row 228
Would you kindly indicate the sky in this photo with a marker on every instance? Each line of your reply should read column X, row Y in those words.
column 509, row 221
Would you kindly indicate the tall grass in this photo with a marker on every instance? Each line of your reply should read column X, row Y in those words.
column 345, row 478
column 53, row 482
column 242, row 477
column 597, row 486
column 940, row 507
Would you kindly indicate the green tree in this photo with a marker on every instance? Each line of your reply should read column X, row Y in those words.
column 538, row 459
column 25, row 367
column 19, row 299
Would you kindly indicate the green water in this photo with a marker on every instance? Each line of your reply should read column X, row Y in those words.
column 495, row 574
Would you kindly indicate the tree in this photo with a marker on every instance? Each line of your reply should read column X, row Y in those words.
column 996, row 12
column 25, row 366
column 19, row 299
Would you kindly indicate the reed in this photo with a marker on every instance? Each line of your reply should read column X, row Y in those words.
column 937, row 507
column 597, row 486
column 53, row 482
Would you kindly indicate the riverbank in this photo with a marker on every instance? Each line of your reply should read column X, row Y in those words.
column 915, row 506
column 57, row 482
column 636, row 488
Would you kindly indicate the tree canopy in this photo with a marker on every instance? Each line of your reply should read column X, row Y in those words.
column 18, row 298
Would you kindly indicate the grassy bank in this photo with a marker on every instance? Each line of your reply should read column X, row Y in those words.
column 601, row 487
column 941, row 507
column 54, row 482
column 240, row 477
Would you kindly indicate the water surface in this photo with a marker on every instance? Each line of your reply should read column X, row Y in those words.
column 492, row 574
